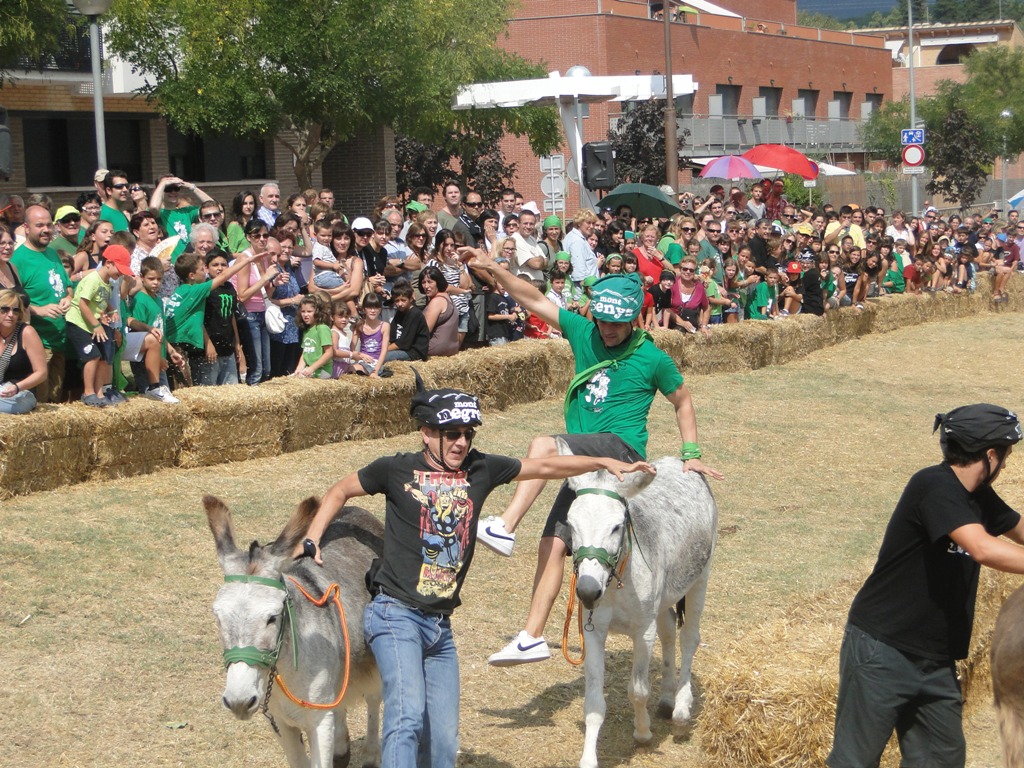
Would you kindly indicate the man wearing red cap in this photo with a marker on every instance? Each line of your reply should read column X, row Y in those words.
column 90, row 328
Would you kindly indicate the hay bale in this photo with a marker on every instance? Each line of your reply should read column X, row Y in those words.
column 898, row 311
column 778, row 708
column 137, row 438
column 47, row 448
column 729, row 348
column 231, row 423
column 796, row 337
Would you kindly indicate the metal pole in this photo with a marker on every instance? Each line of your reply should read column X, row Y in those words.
column 97, row 92
column 671, row 150
column 1003, row 201
column 914, row 205
column 579, row 153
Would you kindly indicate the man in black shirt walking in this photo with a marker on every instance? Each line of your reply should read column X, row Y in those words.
column 913, row 617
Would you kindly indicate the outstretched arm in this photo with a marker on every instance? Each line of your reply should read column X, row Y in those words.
column 561, row 467
column 520, row 290
column 330, row 505
column 686, row 418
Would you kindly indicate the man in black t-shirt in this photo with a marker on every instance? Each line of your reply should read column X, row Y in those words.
column 913, row 617
column 433, row 500
column 221, row 330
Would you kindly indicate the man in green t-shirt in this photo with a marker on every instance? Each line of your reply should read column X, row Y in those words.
column 49, row 294
column 68, row 222
column 165, row 202
column 118, row 202
column 619, row 370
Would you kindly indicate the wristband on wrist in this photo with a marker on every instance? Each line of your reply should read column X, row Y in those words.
column 689, row 451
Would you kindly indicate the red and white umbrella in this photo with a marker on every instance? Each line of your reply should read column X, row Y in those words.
column 782, row 158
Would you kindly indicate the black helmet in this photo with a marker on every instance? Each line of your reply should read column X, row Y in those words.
column 978, row 427
column 443, row 407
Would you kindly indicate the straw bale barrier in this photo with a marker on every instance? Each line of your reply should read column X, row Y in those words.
column 769, row 698
column 57, row 446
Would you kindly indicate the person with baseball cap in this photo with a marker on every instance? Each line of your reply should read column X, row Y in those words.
column 618, row 372
column 913, row 617
column 433, row 503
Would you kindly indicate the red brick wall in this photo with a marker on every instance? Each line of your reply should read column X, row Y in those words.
column 925, row 79
column 361, row 171
column 619, row 45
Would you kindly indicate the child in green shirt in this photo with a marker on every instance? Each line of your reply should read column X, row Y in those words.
column 147, row 316
column 314, row 321
column 185, row 307
column 89, row 329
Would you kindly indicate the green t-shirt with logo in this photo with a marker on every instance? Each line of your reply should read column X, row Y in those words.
column 115, row 217
column 617, row 398
column 96, row 294
column 711, row 287
column 149, row 310
column 313, row 342
column 179, row 221
column 183, row 314
column 46, row 282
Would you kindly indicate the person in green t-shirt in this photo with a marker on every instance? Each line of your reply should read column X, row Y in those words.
column 184, row 309
column 619, row 370
column 314, row 321
column 46, row 283
column 147, row 316
column 116, row 189
column 165, row 202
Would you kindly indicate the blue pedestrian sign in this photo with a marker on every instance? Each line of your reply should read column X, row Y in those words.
column 911, row 136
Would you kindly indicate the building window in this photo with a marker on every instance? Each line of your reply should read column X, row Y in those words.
column 844, row 100
column 61, row 151
column 772, row 100
column 810, row 98
column 684, row 104
column 875, row 100
column 215, row 158
column 730, row 98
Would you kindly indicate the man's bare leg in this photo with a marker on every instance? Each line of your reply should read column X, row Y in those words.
column 547, row 583
column 527, row 491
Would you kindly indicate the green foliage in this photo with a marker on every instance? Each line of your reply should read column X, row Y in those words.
column 323, row 71
column 639, row 143
column 881, row 133
column 796, row 192
column 31, row 29
column 993, row 85
column 472, row 156
column 960, row 148
column 821, row 21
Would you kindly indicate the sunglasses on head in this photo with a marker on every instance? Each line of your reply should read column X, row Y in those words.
column 455, row 434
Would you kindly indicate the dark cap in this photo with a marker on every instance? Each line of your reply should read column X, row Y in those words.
column 978, row 427
column 444, row 408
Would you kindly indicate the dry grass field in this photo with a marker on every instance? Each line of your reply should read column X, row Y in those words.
column 110, row 652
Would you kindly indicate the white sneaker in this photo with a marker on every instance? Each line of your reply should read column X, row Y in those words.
column 523, row 650
column 491, row 532
column 163, row 394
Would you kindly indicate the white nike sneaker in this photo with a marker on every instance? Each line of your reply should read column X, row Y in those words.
column 523, row 650
column 163, row 394
column 491, row 532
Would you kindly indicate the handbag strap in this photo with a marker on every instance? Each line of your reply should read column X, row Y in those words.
column 5, row 358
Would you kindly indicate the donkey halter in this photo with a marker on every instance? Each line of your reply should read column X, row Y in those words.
column 267, row 659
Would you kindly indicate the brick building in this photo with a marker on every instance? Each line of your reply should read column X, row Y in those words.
column 762, row 78
column 50, row 115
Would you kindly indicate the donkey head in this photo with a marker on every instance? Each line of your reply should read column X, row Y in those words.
column 250, row 606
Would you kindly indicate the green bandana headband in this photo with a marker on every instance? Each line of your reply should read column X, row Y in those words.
column 617, row 298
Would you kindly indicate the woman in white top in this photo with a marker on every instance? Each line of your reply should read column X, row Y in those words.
column 900, row 230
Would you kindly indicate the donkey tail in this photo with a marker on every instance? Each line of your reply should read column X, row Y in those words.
column 1011, row 732
column 681, row 611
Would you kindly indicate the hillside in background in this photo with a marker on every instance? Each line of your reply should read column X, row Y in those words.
column 877, row 13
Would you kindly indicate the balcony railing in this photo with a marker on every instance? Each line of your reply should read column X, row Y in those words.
column 72, row 54
column 738, row 133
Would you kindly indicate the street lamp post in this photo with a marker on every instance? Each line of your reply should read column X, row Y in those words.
column 93, row 9
column 915, row 210
column 1006, row 115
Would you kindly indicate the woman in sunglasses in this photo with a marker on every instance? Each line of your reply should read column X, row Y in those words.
column 251, row 284
column 22, row 357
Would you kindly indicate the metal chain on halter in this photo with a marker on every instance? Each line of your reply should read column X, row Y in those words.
column 265, row 708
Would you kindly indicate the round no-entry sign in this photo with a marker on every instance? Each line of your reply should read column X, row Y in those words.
column 913, row 155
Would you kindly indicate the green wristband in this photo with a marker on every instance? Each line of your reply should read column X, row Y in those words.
column 689, row 451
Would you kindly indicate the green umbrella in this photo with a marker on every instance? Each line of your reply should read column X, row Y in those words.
column 645, row 200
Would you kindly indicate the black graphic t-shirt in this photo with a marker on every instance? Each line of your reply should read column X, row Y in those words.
column 430, row 523
column 920, row 596
column 220, row 308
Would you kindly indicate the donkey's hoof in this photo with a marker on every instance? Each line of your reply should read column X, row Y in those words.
column 664, row 710
column 342, row 761
column 642, row 738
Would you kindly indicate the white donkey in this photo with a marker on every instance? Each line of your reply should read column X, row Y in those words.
column 273, row 634
column 1008, row 677
column 653, row 536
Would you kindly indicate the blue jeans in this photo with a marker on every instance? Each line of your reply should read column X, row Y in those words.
column 23, row 402
column 419, row 670
column 223, row 371
column 256, row 367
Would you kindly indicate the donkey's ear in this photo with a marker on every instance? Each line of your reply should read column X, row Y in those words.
column 563, row 447
column 219, row 518
column 633, row 483
column 295, row 530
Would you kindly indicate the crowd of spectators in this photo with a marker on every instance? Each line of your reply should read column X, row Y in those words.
column 192, row 292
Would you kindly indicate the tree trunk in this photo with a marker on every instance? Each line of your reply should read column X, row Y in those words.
column 309, row 148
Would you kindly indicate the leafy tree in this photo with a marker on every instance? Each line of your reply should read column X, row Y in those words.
column 31, row 29
column 639, row 143
column 960, row 147
column 993, row 85
column 820, row 21
column 315, row 73
column 881, row 133
column 473, row 157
